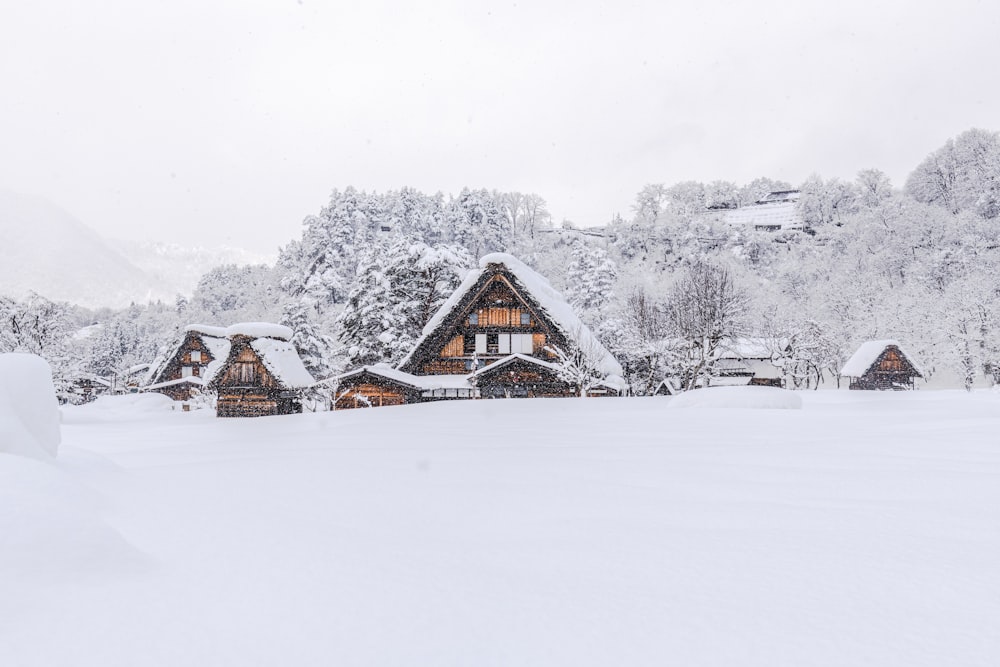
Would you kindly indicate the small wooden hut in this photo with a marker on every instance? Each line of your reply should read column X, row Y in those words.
column 378, row 386
column 182, row 373
column 262, row 374
column 881, row 364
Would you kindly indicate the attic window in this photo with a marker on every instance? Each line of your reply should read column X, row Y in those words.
column 186, row 371
column 473, row 318
column 195, row 355
column 525, row 319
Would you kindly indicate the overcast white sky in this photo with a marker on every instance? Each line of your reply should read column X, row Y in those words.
column 228, row 122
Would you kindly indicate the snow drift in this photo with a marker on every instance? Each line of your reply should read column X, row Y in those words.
column 758, row 398
column 29, row 412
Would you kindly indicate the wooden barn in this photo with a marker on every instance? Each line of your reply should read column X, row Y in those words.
column 494, row 337
column 377, row 386
column 182, row 373
column 881, row 364
column 262, row 375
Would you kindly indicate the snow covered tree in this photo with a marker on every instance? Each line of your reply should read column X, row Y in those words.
column 579, row 363
column 590, row 279
column 42, row 327
column 399, row 287
column 232, row 293
column 873, row 188
column 704, row 307
column 962, row 175
column 317, row 350
column 826, row 202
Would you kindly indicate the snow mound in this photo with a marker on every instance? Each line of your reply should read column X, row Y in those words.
column 51, row 527
column 29, row 411
column 124, row 407
column 260, row 330
column 207, row 330
column 759, row 398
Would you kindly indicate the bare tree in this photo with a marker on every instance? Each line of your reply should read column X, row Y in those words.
column 581, row 362
column 705, row 307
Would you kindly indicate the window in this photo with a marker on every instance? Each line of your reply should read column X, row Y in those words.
column 492, row 343
column 525, row 319
column 473, row 319
column 522, row 343
column 186, row 371
column 195, row 355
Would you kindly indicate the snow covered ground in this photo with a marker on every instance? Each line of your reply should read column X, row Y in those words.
column 862, row 529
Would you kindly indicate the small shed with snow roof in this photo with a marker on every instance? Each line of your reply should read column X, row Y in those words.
column 881, row 364
column 262, row 374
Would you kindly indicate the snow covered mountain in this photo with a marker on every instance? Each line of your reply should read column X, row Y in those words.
column 176, row 269
column 49, row 251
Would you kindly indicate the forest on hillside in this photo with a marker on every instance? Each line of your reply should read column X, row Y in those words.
column 918, row 263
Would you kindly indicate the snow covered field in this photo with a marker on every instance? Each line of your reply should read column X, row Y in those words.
column 862, row 529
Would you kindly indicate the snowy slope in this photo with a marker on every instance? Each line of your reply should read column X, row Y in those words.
column 50, row 252
column 859, row 530
column 175, row 268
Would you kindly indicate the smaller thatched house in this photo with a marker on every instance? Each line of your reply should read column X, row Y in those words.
column 881, row 364
column 182, row 373
column 262, row 374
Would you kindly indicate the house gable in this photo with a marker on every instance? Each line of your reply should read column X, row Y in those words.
column 881, row 365
column 187, row 367
column 494, row 317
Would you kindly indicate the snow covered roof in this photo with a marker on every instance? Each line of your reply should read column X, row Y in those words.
column 751, row 348
column 780, row 195
column 868, row 354
column 283, row 361
column 514, row 357
column 260, row 330
column 206, row 330
column 532, row 285
column 423, row 382
column 170, row 383
column 783, row 214
column 213, row 338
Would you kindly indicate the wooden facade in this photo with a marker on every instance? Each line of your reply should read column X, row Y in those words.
column 365, row 389
column 246, row 388
column 525, row 378
column 183, row 372
column 494, row 319
column 891, row 370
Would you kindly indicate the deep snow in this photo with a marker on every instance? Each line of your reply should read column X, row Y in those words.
column 863, row 529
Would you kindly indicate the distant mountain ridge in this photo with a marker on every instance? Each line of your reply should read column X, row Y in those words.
column 47, row 250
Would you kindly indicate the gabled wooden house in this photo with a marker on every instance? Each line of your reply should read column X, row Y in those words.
column 262, row 374
column 496, row 336
column 881, row 364
column 182, row 373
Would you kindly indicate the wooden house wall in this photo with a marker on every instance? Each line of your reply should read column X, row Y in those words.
column 245, row 369
column 370, row 391
column 494, row 310
column 177, row 392
column 523, row 380
column 247, row 389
